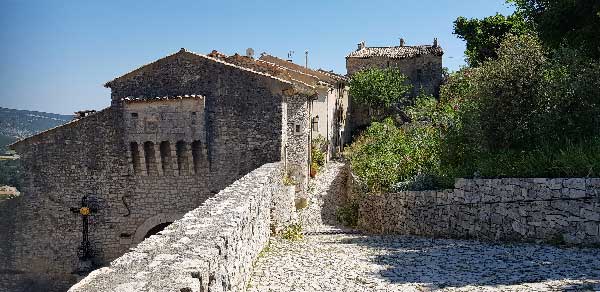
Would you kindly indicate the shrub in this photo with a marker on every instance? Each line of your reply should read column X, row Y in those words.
column 380, row 88
column 293, row 232
column 386, row 154
column 317, row 152
column 348, row 214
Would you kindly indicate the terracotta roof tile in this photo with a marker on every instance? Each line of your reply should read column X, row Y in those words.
column 400, row 52
column 130, row 99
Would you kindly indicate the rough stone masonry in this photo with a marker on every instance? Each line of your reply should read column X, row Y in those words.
column 559, row 210
column 178, row 131
column 212, row 248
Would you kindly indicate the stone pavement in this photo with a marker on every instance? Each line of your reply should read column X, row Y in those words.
column 338, row 260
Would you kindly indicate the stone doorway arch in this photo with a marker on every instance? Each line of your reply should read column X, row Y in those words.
column 154, row 225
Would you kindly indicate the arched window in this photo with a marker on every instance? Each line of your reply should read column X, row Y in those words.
column 182, row 157
column 135, row 156
column 165, row 157
column 197, row 155
column 150, row 158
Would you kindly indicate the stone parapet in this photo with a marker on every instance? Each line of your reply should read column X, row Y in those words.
column 558, row 210
column 212, row 248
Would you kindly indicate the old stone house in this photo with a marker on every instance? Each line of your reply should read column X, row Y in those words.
column 178, row 130
column 325, row 111
column 422, row 64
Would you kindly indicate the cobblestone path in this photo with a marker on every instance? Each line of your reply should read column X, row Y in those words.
column 333, row 260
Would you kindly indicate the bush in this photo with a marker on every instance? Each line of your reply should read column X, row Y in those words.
column 525, row 114
column 380, row 88
column 386, row 154
column 348, row 214
column 293, row 232
column 317, row 151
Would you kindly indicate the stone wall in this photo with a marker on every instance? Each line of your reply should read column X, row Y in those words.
column 298, row 136
column 238, row 126
column 527, row 209
column 212, row 248
column 60, row 167
column 326, row 193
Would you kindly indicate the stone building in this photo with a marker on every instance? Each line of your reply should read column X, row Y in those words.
column 422, row 65
column 178, row 130
column 325, row 111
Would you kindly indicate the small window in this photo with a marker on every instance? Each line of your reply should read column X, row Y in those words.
column 297, row 128
column 315, row 123
column 193, row 116
column 134, row 115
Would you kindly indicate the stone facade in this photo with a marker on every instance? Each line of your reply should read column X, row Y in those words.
column 526, row 209
column 178, row 131
column 421, row 64
column 212, row 248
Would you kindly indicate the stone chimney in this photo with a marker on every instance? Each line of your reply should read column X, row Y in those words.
column 361, row 45
column 402, row 42
column 435, row 42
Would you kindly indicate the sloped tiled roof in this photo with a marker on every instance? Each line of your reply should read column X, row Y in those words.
column 399, row 52
column 131, row 99
column 184, row 51
column 290, row 66
column 334, row 75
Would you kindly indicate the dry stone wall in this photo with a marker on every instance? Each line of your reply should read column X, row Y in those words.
column 212, row 248
column 526, row 209
column 326, row 193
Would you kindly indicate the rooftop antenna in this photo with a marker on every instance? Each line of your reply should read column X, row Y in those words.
column 290, row 53
column 306, row 61
column 250, row 53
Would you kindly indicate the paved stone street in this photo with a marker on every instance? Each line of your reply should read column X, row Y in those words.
column 336, row 261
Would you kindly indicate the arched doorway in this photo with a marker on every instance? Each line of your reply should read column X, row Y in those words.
column 156, row 229
column 154, row 225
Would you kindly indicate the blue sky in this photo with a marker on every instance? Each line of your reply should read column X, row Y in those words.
column 56, row 55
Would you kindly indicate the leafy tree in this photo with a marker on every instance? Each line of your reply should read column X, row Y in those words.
column 507, row 91
column 483, row 36
column 571, row 23
column 380, row 88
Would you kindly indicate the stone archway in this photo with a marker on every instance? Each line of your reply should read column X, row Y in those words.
column 153, row 225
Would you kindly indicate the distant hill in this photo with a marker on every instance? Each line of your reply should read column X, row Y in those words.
column 18, row 124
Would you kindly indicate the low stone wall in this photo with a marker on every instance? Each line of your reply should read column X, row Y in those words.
column 326, row 193
column 212, row 248
column 528, row 209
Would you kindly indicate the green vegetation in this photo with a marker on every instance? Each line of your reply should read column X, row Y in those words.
column 564, row 23
column 317, row 153
column 380, row 88
column 293, row 232
column 288, row 180
column 483, row 36
column 528, row 110
column 348, row 214
column 10, row 173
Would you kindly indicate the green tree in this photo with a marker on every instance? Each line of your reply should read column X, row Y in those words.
column 571, row 23
column 483, row 36
column 380, row 88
